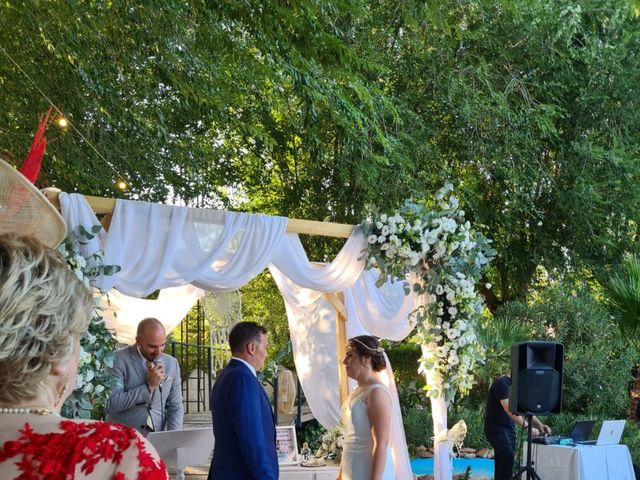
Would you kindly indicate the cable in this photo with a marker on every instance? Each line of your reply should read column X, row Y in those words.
column 55, row 107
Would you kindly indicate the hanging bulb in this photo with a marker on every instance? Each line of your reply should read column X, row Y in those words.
column 61, row 122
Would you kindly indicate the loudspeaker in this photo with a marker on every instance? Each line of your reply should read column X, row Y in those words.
column 536, row 378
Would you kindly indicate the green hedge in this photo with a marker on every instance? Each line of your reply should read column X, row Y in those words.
column 598, row 365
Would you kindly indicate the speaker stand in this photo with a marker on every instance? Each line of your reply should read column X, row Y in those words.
column 528, row 468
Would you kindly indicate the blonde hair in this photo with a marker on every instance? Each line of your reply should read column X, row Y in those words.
column 44, row 310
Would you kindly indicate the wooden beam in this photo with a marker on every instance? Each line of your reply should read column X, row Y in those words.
column 336, row 301
column 295, row 225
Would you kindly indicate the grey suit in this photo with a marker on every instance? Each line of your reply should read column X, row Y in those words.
column 129, row 403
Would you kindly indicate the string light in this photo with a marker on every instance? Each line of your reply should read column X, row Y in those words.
column 61, row 122
column 61, row 116
column 122, row 185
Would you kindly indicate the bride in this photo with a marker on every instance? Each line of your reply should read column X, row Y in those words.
column 366, row 415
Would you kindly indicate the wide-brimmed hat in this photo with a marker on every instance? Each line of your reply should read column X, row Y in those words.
column 26, row 211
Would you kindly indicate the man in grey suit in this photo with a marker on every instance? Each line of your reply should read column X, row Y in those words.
column 150, row 397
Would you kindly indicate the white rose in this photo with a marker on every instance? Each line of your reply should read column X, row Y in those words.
column 372, row 238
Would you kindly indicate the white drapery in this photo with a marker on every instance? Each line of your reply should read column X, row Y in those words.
column 161, row 247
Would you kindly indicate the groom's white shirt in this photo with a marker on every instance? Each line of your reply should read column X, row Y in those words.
column 253, row 370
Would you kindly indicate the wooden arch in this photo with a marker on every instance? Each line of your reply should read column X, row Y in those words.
column 102, row 205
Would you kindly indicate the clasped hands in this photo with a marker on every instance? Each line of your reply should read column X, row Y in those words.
column 155, row 375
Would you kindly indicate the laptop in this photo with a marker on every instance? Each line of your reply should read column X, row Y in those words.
column 611, row 432
column 579, row 434
column 581, row 430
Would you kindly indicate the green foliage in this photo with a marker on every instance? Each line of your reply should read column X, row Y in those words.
column 311, row 432
column 404, row 358
column 623, row 292
column 418, row 426
column 496, row 334
column 93, row 382
column 598, row 365
column 317, row 109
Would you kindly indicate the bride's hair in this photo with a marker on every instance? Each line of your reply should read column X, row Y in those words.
column 368, row 346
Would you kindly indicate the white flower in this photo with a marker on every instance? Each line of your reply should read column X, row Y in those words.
column 379, row 225
column 381, row 239
column 385, row 230
column 383, row 217
column 372, row 238
column 439, row 289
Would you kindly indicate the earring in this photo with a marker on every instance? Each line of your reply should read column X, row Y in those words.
column 62, row 391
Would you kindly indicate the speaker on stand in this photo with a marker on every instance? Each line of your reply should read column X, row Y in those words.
column 536, row 387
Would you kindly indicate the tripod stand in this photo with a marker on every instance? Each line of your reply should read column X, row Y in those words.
column 528, row 468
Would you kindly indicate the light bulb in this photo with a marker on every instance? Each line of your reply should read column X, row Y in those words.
column 61, row 122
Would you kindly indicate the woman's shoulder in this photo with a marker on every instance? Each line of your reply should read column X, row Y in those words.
column 378, row 387
column 103, row 446
column 378, row 391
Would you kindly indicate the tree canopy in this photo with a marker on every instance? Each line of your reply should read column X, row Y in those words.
column 319, row 109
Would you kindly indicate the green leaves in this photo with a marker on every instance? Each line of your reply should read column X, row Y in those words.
column 623, row 292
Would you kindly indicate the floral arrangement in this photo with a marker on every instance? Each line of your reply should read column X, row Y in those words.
column 331, row 445
column 93, row 382
column 439, row 256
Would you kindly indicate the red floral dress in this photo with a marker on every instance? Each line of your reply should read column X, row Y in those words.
column 55, row 449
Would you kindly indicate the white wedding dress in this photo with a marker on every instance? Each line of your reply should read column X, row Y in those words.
column 357, row 458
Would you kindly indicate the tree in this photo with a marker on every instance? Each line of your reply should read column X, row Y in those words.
column 529, row 106
column 623, row 293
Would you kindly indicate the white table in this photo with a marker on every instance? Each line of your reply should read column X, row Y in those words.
column 296, row 472
column 582, row 462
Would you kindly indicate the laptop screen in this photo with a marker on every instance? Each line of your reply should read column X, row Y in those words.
column 581, row 430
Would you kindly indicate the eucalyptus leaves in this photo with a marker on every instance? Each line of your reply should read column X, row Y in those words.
column 93, row 382
column 439, row 256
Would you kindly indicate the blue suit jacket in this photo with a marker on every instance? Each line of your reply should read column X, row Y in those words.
column 243, row 427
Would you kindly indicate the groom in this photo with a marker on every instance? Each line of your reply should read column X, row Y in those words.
column 243, row 426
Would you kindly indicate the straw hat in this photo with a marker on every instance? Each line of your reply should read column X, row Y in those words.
column 26, row 211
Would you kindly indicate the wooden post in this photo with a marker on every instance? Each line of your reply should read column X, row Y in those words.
column 341, row 341
column 294, row 225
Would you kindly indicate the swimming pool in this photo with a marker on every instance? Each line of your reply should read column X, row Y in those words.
column 479, row 466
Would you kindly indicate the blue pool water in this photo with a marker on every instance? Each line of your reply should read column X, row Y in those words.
column 479, row 466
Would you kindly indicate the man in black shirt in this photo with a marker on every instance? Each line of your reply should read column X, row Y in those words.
column 499, row 427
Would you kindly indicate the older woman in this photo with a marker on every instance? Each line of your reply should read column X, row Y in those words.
column 366, row 415
column 44, row 310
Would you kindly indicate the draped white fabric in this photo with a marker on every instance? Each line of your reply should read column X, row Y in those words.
column 160, row 246
column 170, row 308
column 312, row 323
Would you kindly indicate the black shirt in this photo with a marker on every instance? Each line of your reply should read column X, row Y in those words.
column 495, row 416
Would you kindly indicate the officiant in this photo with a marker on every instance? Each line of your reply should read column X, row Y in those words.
column 149, row 396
